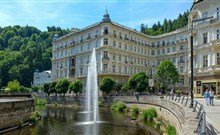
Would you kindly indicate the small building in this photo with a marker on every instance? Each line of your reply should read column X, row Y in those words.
column 40, row 78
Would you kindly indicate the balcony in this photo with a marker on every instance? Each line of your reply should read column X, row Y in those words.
column 181, row 61
column 105, row 58
column 215, row 44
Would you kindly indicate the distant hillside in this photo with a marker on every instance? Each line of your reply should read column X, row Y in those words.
column 167, row 26
column 23, row 50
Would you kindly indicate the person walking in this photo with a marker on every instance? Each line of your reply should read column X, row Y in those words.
column 207, row 96
column 211, row 93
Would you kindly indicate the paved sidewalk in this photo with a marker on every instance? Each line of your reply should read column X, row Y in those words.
column 212, row 116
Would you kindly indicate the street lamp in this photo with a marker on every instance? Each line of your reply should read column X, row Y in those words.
column 191, row 45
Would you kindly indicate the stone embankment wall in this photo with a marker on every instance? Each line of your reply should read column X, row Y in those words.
column 14, row 111
column 178, row 115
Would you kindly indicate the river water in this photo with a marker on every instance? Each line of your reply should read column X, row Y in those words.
column 63, row 121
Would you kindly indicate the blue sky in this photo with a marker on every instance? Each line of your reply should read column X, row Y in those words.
column 81, row 13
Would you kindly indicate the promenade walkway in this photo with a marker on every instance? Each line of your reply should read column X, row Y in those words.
column 212, row 116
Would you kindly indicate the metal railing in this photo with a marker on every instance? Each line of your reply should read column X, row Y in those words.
column 197, row 107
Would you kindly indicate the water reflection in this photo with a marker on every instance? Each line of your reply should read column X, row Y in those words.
column 62, row 121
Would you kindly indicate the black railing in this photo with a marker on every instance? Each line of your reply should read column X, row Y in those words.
column 197, row 107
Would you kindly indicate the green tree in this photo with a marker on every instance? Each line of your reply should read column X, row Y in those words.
column 52, row 87
column 13, row 86
column 125, row 87
column 62, row 86
column 107, row 85
column 167, row 73
column 139, row 82
column 76, row 86
column 117, row 87
column 46, row 88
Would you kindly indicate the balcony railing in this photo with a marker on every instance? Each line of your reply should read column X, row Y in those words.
column 105, row 58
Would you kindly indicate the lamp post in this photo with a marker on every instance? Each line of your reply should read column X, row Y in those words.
column 191, row 45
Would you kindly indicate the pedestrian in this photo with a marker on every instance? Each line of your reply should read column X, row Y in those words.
column 207, row 96
column 211, row 93
column 172, row 93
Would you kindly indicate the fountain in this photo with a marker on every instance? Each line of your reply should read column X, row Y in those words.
column 91, row 98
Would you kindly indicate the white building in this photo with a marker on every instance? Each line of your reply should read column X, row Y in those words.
column 40, row 78
column 122, row 51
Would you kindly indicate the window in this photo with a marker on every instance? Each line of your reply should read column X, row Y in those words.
column 81, row 61
column 131, row 48
column 89, row 35
column 119, row 44
column 105, row 54
column 114, row 33
column 181, row 69
column 205, row 38
column 88, row 46
column 81, row 71
column 152, row 52
column 119, row 69
column 174, row 59
column 134, row 48
column 125, row 46
column 114, row 43
column 120, row 36
column 97, row 33
column 125, row 70
column 81, row 48
column 96, row 43
column 181, row 47
column 218, row 58
column 158, row 52
column 113, row 56
column 205, row 14
column 125, row 59
column 181, row 59
column 218, row 34
column 81, row 38
column 163, row 51
column 168, row 50
column 218, row 13
column 205, row 61
column 106, row 30
column 174, row 49
column 181, row 38
column 105, row 41
column 113, row 68
column 105, row 67
column 119, row 58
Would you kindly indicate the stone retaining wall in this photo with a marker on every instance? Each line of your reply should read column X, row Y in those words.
column 13, row 111
column 171, row 112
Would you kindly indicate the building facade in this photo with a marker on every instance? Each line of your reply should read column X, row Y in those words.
column 122, row 51
column 206, row 35
column 40, row 78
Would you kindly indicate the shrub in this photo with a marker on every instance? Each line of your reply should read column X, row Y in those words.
column 119, row 106
column 178, row 92
column 158, row 125
column 149, row 114
column 135, row 110
column 40, row 102
column 171, row 130
column 34, row 117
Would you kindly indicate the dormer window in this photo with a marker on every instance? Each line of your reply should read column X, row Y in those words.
column 106, row 30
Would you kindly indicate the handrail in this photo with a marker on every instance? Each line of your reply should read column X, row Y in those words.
column 197, row 107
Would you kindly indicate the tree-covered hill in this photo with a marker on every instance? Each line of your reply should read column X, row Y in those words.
column 23, row 50
column 167, row 26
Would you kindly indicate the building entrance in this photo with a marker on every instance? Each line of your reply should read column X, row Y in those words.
column 208, row 86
